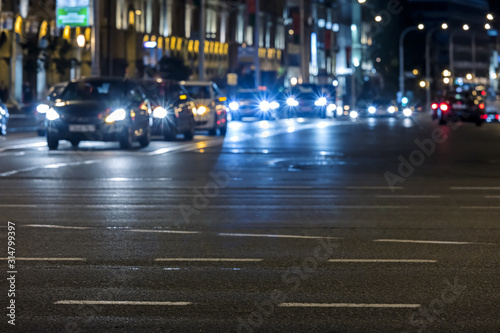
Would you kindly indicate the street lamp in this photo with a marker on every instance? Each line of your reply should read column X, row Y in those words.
column 466, row 27
column 428, row 37
column 378, row 18
column 490, row 17
column 487, row 26
column 444, row 26
column 423, row 84
column 402, row 57
column 80, row 40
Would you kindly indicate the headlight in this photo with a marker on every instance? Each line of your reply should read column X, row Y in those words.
column 2, row 112
column 290, row 101
column 353, row 114
column 116, row 115
column 407, row 112
column 42, row 108
column 234, row 106
column 391, row 109
column 372, row 109
column 264, row 106
column 321, row 101
column 52, row 114
column 274, row 105
column 200, row 111
column 159, row 112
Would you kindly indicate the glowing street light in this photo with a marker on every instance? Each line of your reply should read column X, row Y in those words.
column 487, row 26
column 361, row 1
column 378, row 18
column 421, row 26
column 423, row 84
column 444, row 26
column 446, row 80
column 466, row 27
column 80, row 40
column 446, row 73
column 490, row 17
column 469, row 76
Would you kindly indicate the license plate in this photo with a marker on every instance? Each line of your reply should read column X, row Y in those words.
column 82, row 128
column 307, row 108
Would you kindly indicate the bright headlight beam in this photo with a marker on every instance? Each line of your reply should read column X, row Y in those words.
column 42, row 108
column 116, row 115
column 264, row 106
column 159, row 112
column 290, row 101
column 372, row 109
column 353, row 114
column 407, row 112
column 274, row 105
column 321, row 101
column 52, row 114
column 391, row 109
column 234, row 106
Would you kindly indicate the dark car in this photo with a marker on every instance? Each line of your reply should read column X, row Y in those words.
column 172, row 109
column 254, row 103
column 4, row 118
column 42, row 108
column 308, row 100
column 100, row 109
column 382, row 107
column 467, row 104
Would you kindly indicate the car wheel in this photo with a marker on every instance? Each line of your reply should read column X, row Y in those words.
column 223, row 130
column 145, row 139
column 189, row 134
column 126, row 139
column 52, row 141
column 40, row 132
column 75, row 143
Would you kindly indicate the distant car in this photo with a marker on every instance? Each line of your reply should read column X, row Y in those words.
column 254, row 103
column 172, row 109
column 4, row 118
column 492, row 117
column 383, row 107
column 100, row 109
column 211, row 110
column 42, row 108
column 308, row 100
column 464, row 105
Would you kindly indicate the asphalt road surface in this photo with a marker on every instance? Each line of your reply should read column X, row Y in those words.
column 374, row 225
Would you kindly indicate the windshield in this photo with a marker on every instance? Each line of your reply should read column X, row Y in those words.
column 198, row 92
column 93, row 91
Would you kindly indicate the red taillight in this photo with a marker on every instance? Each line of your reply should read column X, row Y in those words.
column 497, row 116
column 434, row 106
column 483, row 93
column 481, row 106
column 484, row 116
column 444, row 107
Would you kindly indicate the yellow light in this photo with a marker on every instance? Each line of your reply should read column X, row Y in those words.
column 197, row 46
column 222, row 99
column 446, row 80
column 201, row 110
column 88, row 34
column 347, row 107
column 291, row 32
column 490, row 17
column 469, row 76
column 172, row 43
column 183, row 97
column 160, row 43
column 466, row 27
column 43, row 29
column 378, row 18
column 446, row 73
column 179, row 44
column 138, row 12
column 423, row 84
column 190, row 46
column 131, row 17
column 67, row 33
column 361, row 1
column 415, row 72
column 18, row 27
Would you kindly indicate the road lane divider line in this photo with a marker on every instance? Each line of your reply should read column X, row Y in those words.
column 53, row 226
column 492, row 196
column 349, row 305
column 47, row 259
column 229, row 234
column 422, row 241
column 415, row 261
column 76, row 302
column 209, row 259
column 186, row 147
column 49, row 166
column 164, row 231
column 18, row 206
column 22, row 146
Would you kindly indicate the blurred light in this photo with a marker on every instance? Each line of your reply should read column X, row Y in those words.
column 150, row 44
column 469, row 76
column 331, row 108
column 493, row 75
column 407, row 112
column 265, row 134
column 421, row 26
column 391, row 109
column 328, row 25
column 444, row 26
column 290, row 101
column 446, row 80
column 372, row 109
column 80, row 40
column 274, row 105
column 235, row 126
column 264, row 124
column 321, row 101
column 446, row 73
column 339, row 111
column 378, row 59
column 466, row 27
column 234, row 106
column 404, row 100
column 354, row 28
column 481, row 106
column 361, row 1
column 291, row 32
column 264, row 106
column 322, row 124
column 422, row 84
column 159, row 112
column 378, row 18
column 415, row 72
column 353, row 114
column 335, row 27
column 52, row 114
column 335, row 83
column 138, row 12
column 321, row 23
column 487, row 26
column 434, row 106
column 293, row 81
column 444, row 107
column 291, row 129
column 116, row 115
column 490, row 17
column 347, row 107
column 301, row 120
column 42, row 108
column 201, row 110
column 355, row 62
